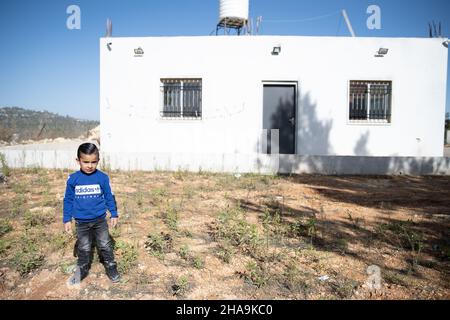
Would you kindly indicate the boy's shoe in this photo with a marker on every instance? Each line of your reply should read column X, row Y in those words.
column 111, row 272
column 79, row 275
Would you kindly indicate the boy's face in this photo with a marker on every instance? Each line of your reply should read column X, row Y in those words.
column 88, row 162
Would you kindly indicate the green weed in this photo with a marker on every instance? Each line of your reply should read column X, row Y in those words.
column 159, row 244
column 67, row 267
column 344, row 288
column 127, row 256
column 198, row 262
column 293, row 279
column 235, row 230
column 159, row 192
column 5, row 168
column 184, row 252
column 171, row 218
column 255, row 274
column 225, row 253
column 38, row 218
column 401, row 234
column 28, row 257
column 60, row 241
column 4, row 246
column 5, row 226
column 181, row 286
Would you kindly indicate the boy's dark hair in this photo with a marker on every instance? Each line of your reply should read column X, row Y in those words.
column 87, row 148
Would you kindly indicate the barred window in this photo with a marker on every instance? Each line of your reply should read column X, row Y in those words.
column 370, row 101
column 182, row 98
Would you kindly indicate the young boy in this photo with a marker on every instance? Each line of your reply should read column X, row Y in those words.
column 88, row 195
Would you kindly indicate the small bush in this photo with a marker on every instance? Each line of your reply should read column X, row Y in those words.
column 302, row 228
column 401, row 234
column 26, row 262
column 127, row 256
column 60, row 241
column 255, row 274
column 159, row 244
column 4, row 246
column 235, row 230
column 181, row 286
column 342, row 245
column 5, row 226
column 28, row 256
column 38, row 218
column 294, row 280
column 225, row 253
column 5, row 168
column 159, row 192
column 198, row 262
column 184, row 252
column 344, row 288
column 68, row 267
column 171, row 218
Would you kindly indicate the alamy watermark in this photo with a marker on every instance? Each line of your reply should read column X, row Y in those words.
column 374, row 280
column 74, row 20
column 374, row 20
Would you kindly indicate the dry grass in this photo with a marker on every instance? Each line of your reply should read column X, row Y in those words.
column 215, row 236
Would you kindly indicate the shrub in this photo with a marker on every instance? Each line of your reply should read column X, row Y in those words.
column 171, row 218
column 235, row 230
column 255, row 274
column 28, row 256
column 159, row 244
column 184, row 252
column 4, row 246
column 225, row 253
column 181, row 286
column 5, row 227
column 5, row 168
column 198, row 262
column 38, row 218
column 126, row 256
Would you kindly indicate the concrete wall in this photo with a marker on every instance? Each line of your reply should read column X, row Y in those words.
column 233, row 70
column 233, row 163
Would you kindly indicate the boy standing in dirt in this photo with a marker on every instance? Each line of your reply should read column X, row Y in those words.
column 88, row 195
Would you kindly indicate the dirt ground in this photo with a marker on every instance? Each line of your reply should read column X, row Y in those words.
column 219, row 236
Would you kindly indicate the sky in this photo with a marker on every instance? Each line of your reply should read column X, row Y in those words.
column 44, row 65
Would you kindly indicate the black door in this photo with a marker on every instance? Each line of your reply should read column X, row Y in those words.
column 279, row 113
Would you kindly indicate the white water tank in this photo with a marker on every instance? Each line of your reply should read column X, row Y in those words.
column 234, row 10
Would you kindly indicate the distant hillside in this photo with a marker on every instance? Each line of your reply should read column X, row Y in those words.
column 17, row 124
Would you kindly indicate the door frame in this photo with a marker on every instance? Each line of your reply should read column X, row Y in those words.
column 284, row 83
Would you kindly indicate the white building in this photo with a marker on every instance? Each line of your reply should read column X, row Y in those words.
column 206, row 103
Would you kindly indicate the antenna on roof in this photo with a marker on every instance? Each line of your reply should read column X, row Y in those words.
column 258, row 23
column 434, row 31
column 108, row 28
column 347, row 21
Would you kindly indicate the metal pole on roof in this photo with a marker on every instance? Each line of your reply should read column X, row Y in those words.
column 347, row 21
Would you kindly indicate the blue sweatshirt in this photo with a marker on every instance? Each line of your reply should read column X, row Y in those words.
column 87, row 197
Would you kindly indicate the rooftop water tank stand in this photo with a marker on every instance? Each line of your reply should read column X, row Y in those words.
column 233, row 15
column 228, row 24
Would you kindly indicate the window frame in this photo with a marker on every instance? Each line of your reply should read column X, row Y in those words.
column 370, row 122
column 180, row 97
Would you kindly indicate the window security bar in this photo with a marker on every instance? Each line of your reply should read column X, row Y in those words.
column 370, row 100
column 182, row 98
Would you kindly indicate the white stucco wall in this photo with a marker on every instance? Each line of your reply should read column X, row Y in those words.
column 233, row 70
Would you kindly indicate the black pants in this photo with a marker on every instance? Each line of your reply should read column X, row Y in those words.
column 87, row 234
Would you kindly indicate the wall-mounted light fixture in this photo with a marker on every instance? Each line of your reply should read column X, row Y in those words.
column 276, row 50
column 382, row 52
column 108, row 45
column 445, row 43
